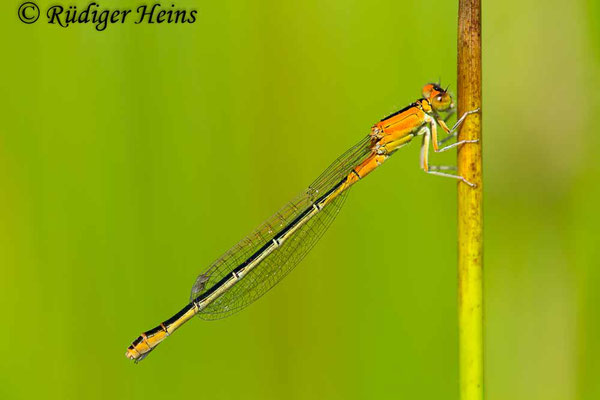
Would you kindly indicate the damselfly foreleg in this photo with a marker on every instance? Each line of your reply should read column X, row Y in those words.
column 452, row 132
column 432, row 122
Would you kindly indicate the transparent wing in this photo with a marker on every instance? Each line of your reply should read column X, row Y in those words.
column 342, row 166
column 251, row 243
column 276, row 266
column 279, row 263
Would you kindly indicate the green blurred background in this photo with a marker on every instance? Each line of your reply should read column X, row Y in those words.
column 130, row 159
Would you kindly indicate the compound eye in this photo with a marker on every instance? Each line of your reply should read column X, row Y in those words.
column 442, row 102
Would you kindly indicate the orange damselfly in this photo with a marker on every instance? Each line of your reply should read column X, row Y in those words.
column 258, row 262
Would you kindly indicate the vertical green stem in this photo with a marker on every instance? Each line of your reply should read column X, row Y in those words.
column 470, row 213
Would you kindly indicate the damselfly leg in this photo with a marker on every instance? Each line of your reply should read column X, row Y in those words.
column 452, row 132
column 429, row 133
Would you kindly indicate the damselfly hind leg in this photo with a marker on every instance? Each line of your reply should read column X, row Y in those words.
column 442, row 168
column 460, row 178
column 436, row 169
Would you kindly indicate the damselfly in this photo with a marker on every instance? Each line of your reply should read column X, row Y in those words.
column 257, row 263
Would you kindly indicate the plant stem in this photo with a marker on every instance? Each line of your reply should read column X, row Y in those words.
column 470, row 213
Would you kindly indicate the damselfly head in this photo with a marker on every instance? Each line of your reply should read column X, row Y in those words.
column 440, row 99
